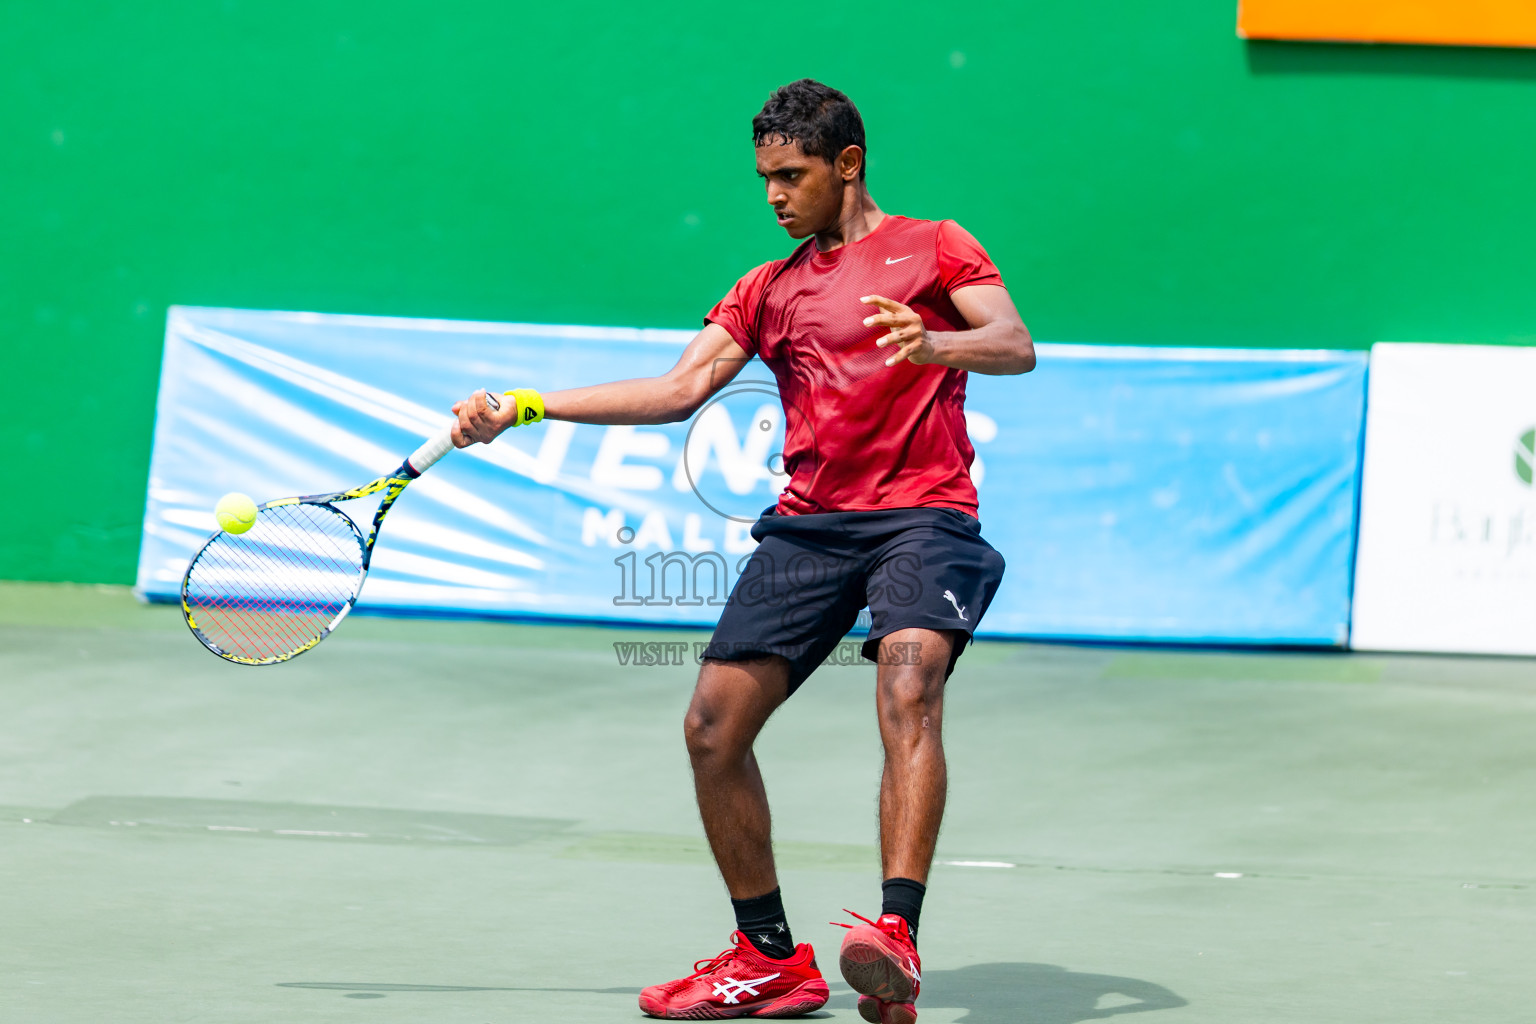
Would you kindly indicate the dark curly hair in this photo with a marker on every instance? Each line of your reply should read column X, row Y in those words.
column 824, row 121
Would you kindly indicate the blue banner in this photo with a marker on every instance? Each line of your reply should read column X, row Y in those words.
column 1142, row 494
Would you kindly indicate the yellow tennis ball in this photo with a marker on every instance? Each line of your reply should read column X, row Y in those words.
column 235, row 512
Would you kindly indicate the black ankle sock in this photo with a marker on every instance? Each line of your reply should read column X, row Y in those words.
column 905, row 897
column 761, row 919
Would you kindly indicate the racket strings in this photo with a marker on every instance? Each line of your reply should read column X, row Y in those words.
column 273, row 591
column 263, row 601
column 283, row 632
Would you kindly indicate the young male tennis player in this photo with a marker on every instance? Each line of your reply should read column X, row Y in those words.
column 870, row 327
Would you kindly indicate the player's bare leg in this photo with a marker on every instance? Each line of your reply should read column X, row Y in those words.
column 762, row 973
column 879, row 958
column 731, row 703
column 909, row 698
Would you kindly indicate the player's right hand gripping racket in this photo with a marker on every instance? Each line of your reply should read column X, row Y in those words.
column 273, row 592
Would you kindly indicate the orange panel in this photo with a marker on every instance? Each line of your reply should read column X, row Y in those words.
column 1451, row 22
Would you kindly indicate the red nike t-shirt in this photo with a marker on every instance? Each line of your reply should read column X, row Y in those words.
column 861, row 435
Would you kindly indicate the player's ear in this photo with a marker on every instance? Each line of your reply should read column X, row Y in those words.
column 849, row 162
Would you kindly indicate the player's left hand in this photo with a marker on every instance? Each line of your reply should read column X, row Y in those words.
column 907, row 331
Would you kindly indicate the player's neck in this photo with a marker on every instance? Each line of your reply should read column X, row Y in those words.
column 859, row 217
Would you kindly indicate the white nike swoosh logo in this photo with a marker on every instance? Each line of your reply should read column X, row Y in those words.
column 889, row 261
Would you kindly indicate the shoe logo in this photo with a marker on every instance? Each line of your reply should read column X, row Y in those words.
column 889, row 261
column 730, row 989
column 950, row 596
column 912, row 967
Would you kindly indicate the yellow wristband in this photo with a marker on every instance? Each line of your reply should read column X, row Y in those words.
column 530, row 405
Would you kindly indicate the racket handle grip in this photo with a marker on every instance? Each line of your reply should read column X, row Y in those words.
column 425, row 457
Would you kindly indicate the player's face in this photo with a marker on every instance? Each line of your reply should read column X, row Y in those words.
column 806, row 192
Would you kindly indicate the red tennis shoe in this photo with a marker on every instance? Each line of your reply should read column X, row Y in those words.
column 879, row 960
column 878, row 1011
column 741, row 982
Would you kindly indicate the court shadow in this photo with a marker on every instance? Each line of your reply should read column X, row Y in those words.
column 379, row 989
column 1271, row 57
column 382, row 990
column 987, row 993
column 1032, row 994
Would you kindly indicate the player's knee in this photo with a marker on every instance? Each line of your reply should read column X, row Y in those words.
column 706, row 726
column 700, row 732
column 912, row 700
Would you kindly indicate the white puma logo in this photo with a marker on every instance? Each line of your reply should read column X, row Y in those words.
column 731, row 988
column 889, row 261
column 950, row 595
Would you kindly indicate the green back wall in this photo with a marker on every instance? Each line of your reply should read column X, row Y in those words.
column 1140, row 175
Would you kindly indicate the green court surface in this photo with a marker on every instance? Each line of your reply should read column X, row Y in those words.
column 479, row 822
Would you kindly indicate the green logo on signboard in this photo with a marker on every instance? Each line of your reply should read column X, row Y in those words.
column 1525, row 457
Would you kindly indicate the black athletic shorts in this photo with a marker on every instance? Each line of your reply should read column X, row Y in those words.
column 802, row 589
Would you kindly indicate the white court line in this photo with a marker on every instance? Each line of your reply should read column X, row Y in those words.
column 978, row 863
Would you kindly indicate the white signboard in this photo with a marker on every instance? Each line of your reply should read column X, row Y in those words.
column 1447, row 556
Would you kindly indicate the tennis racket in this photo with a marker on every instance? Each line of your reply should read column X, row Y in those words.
column 273, row 592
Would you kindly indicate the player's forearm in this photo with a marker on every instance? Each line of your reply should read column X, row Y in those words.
column 709, row 362
column 642, row 401
column 997, row 348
